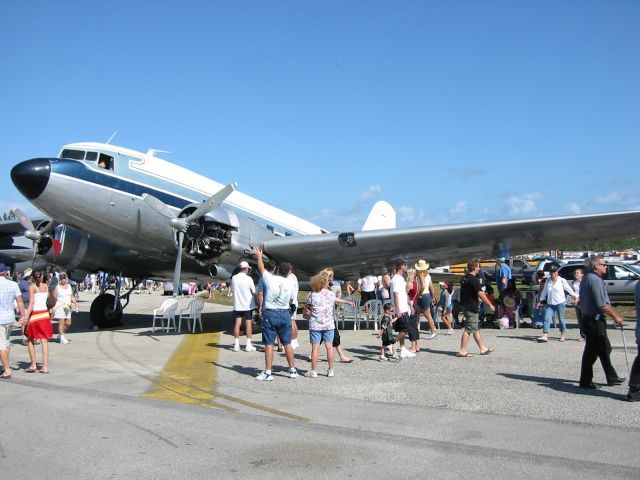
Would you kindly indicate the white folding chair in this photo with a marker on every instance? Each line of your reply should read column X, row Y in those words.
column 371, row 311
column 349, row 312
column 191, row 313
column 166, row 315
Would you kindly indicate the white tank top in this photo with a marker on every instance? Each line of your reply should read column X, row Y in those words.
column 40, row 301
column 427, row 284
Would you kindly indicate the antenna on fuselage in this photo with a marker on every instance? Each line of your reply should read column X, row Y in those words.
column 111, row 137
column 152, row 152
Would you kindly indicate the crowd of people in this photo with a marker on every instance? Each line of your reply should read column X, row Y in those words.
column 408, row 295
column 35, row 298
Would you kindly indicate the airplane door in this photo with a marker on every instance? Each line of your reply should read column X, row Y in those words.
column 121, row 204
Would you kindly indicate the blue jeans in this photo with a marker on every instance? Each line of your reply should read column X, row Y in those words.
column 538, row 316
column 548, row 317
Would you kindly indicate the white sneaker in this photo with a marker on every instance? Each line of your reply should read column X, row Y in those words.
column 236, row 348
column 249, row 348
column 330, row 373
column 293, row 373
column 264, row 376
column 311, row 374
column 382, row 358
column 450, row 331
column 433, row 336
column 395, row 357
column 62, row 339
column 404, row 353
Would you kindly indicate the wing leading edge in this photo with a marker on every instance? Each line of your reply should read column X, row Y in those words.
column 351, row 254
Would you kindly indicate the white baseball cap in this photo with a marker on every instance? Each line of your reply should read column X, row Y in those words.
column 244, row 264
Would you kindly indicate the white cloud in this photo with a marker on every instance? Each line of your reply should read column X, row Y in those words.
column 410, row 214
column 613, row 197
column 460, row 207
column 524, row 204
column 370, row 193
column 574, row 208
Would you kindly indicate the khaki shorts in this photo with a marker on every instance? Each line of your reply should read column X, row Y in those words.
column 5, row 333
column 471, row 321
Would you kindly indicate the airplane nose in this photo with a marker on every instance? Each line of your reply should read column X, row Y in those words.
column 31, row 176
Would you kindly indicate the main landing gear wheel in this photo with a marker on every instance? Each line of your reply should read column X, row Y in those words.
column 103, row 315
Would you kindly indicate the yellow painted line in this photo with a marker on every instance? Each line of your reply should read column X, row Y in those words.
column 189, row 373
column 189, row 376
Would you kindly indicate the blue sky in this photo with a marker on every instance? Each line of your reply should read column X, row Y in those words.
column 452, row 111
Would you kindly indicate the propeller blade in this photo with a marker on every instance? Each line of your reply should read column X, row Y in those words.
column 35, row 253
column 158, row 205
column 212, row 202
column 176, row 271
column 29, row 230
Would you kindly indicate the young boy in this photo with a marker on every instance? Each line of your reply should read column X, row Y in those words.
column 387, row 334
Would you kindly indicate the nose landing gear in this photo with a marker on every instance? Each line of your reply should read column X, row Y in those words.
column 106, row 309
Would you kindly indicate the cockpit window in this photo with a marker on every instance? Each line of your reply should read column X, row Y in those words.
column 73, row 154
column 105, row 161
column 79, row 155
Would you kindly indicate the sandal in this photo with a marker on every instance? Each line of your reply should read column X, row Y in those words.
column 487, row 351
column 31, row 370
column 464, row 355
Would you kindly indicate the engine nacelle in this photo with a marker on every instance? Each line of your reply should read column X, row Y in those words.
column 78, row 253
column 221, row 239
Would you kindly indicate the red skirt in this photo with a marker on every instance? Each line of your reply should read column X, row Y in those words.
column 39, row 326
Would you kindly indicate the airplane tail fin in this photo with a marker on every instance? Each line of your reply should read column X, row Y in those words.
column 382, row 216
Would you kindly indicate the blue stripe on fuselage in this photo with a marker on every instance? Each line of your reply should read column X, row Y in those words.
column 79, row 170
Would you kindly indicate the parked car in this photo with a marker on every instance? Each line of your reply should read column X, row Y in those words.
column 620, row 279
column 520, row 269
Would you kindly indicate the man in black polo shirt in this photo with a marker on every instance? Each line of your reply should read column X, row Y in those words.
column 595, row 304
column 471, row 295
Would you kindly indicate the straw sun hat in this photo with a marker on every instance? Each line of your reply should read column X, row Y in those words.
column 422, row 265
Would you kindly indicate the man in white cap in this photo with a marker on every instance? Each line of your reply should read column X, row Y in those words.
column 9, row 293
column 243, row 290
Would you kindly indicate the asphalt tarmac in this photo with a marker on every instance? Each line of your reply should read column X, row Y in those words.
column 126, row 403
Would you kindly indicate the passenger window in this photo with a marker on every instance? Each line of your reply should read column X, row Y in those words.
column 569, row 273
column 270, row 228
column 92, row 156
column 619, row 273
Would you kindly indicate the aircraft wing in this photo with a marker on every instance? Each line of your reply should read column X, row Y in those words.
column 352, row 254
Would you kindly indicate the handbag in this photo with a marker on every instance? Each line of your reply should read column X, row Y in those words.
column 307, row 311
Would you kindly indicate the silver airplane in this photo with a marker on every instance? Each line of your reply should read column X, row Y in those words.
column 137, row 215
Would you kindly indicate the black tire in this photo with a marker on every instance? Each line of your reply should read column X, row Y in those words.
column 102, row 313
